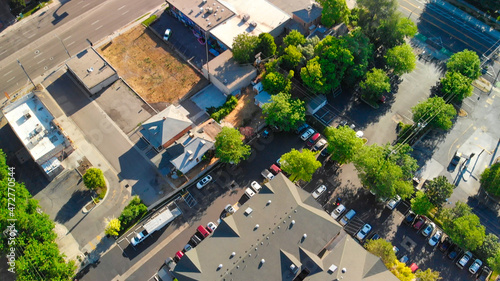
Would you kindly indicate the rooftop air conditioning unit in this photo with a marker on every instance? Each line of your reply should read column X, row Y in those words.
column 253, row 24
column 246, row 17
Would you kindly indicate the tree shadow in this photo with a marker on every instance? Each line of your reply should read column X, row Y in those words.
column 73, row 206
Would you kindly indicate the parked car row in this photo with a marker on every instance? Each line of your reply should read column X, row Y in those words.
column 202, row 232
column 313, row 139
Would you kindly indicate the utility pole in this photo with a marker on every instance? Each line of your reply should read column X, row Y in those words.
column 63, row 46
column 22, row 67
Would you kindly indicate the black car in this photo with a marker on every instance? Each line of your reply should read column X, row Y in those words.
column 301, row 128
column 454, row 251
column 410, row 217
column 484, row 274
column 445, row 245
column 374, row 236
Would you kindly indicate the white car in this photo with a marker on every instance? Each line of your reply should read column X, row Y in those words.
column 428, row 229
column 319, row 191
column 391, row 204
column 229, row 208
column 338, row 211
column 307, row 134
column 363, row 232
column 256, row 186
column 319, row 145
column 249, row 192
column 204, row 182
column 166, row 36
column 435, row 238
column 475, row 266
column 212, row 226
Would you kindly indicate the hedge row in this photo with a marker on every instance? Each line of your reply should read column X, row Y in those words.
column 134, row 211
column 222, row 111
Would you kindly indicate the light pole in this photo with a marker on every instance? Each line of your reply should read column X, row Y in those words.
column 413, row 11
column 22, row 67
column 63, row 46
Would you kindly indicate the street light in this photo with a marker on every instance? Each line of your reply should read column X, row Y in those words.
column 63, row 46
column 413, row 11
column 22, row 67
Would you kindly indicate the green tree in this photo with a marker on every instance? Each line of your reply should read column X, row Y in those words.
column 465, row 62
column 94, row 178
column 402, row 271
column 334, row 11
column 490, row 179
column 291, row 57
column 463, row 227
column 284, row 112
column 382, row 249
column 438, row 190
column 334, row 58
column 375, row 84
column 342, row 144
column 245, row 47
column 494, row 262
column 275, row 82
column 393, row 31
column 421, row 203
column 434, row 112
column 456, row 86
column 307, row 49
column 362, row 51
column 427, row 275
column 266, row 45
column 229, row 146
column 401, row 59
column 300, row 165
column 113, row 227
column 489, row 248
column 294, row 38
column 312, row 76
column 17, row 5
column 401, row 156
column 372, row 12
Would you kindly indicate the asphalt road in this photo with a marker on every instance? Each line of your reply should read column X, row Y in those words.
column 39, row 43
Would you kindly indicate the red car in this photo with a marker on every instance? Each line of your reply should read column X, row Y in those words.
column 419, row 222
column 178, row 255
column 313, row 139
column 274, row 169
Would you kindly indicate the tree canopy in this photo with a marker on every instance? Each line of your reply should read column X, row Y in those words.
column 434, row 112
column 229, row 146
column 245, row 47
column 393, row 31
column 275, row 82
column 94, row 178
column 343, row 144
column 402, row 271
column 266, row 45
column 362, row 51
column 401, row 59
column 456, row 86
column 334, row 58
column 312, row 76
column 466, row 63
column 427, row 275
column 113, row 227
column 463, row 226
column 438, row 190
column 300, row 165
column 490, row 179
column 372, row 12
column 421, row 203
column 294, row 38
column 284, row 112
column 489, row 248
column 291, row 57
column 375, row 84
column 382, row 249
column 333, row 12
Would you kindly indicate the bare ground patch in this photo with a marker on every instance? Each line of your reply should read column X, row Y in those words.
column 246, row 112
column 154, row 72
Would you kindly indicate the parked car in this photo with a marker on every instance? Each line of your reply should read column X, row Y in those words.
column 428, row 229
column 313, row 140
column 178, row 256
column 211, row 226
column 204, row 181
column 195, row 240
column 404, row 259
column 391, row 204
column 464, row 259
column 374, row 236
column 167, row 34
column 274, row 169
column 229, row 208
column 435, row 238
column 324, row 152
column 419, row 222
column 302, row 128
column 361, row 235
column 454, row 251
column 348, row 216
column 319, row 191
column 338, row 211
column 445, row 245
column 410, row 217
column 457, row 157
column 256, row 186
column 475, row 266
column 484, row 274
column 267, row 175
column 249, row 192
column 319, row 145
column 203, row 231
column 413, row 267
column 309, row 132
column 187, row 248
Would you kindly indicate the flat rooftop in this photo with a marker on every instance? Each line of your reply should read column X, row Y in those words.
column 32, row 123
column 206, row 14
column 90, row 68
column 307, row 10
column 228, row 71
column 261, row 13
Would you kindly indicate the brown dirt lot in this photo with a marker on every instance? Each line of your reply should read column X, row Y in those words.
column 246, row 112
column 153, row 71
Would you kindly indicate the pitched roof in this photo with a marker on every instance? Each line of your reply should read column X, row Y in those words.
column 165, row 125
column 194, row 149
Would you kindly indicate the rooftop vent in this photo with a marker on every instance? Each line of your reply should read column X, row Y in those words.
column 253, row 24
column 203, row 1
column 293, row 222
column 269, row 202
column 90, row 70
column 245, row 17
column 294, row 268
column 304, row 236
column 262, row 261
column 344, row 270
column 222, row 10
column 210, row 10
column 201, row 9
column 220, row 266
column 233, row 254
column 189, row 152
column 256, row 226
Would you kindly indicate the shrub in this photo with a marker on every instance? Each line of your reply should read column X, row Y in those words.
column 225, row 109
column 132, row 213
column 149, row 20
column 94, row 178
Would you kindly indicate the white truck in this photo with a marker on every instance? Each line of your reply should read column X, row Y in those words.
column 156, row 223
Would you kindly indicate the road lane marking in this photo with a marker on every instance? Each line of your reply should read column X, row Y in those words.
column 98, row 27
column 94, row 22
column 67, row 38
column 85, row 5
column 40, row 61
column 121, row 7
column 70, row 44
column 3, row 52
column 11, row 79
column 125, row 13
column 7, row 73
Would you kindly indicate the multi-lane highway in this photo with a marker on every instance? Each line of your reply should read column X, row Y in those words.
column 39, row 41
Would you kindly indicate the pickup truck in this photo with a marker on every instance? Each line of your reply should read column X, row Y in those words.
column 140, row 237
column 266, row 174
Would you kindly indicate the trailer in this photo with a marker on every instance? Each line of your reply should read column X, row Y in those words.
column 156, row 223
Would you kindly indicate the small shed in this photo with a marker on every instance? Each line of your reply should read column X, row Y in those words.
column 316, row 104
